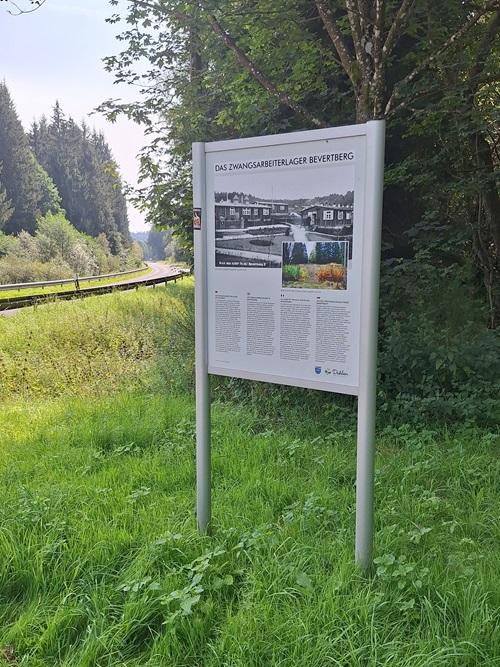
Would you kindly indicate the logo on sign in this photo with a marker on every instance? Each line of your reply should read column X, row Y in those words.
column 317, row 370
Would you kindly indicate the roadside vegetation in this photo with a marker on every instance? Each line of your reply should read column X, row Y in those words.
column 102, row 564
column 67, row 287
column 57, row 250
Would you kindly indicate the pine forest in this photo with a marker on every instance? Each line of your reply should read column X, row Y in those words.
column 62, row 203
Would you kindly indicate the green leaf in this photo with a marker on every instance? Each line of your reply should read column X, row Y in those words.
column 188, row 603
column 304, row 581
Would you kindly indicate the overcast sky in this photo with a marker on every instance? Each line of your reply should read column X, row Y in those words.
column 55, row 53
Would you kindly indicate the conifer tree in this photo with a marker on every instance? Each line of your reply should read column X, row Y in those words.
column 6, row 208
column 83, row 169
column 20, row 176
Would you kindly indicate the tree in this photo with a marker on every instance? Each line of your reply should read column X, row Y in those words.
column 55, row 237
column 375, row 55
column 112, row 185
column 81, row 165
column 20, row 176
column 228, row 69
column 455, row 160
column 157, row 241
column 50, row 199
column 6, row 208
column 299, row 254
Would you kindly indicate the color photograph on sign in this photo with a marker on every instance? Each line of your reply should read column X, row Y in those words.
column 315, row 265
column 284, row 252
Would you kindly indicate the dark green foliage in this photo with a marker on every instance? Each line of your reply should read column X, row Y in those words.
column 50, row 201
column 261, row 68
column 68, row 168
column 6, row 208
column 436, row 358
column 299, row 254
column 428, row 376
column 331, row 252
column 81, row 165
column 20, row 176
column 437, row 85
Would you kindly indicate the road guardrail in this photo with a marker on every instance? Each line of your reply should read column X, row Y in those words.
column 10, row 303
column 65, row 281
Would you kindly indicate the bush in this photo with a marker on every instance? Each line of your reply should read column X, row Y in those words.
column 332, row 274
column 437, row 359
column 58, row 250
column 21, row 270
column 291, row 273
column 427, row 373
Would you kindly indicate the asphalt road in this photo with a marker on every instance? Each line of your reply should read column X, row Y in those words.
column 158, row 270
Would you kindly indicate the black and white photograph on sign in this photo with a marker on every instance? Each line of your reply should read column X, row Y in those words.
column 320, row 265
column 258, row 214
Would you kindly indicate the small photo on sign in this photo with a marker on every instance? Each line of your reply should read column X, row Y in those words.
column 197, row 218
column 320, row 265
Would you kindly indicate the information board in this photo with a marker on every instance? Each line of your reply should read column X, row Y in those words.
column 287, row 265
column 284, row 217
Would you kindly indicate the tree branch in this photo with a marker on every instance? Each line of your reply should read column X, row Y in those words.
column 398, row 25
column 482, row 53
column 37, row 3
column 379, row 62
column 359, row 40
column 160, row 8
column 257, row 74
column 391, row 109
column 336, row 37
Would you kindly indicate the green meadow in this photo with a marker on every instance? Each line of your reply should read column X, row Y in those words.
column 101, row 563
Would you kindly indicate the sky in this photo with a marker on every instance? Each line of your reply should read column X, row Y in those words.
column 55, row 53
column 289, row 183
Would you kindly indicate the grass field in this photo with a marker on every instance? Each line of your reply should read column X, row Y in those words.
column 101, row 564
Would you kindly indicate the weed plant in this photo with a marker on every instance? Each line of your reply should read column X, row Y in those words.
column 101, row 561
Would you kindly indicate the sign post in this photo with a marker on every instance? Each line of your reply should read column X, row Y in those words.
column 287, row 259
column 203, row 448
column 368, row 345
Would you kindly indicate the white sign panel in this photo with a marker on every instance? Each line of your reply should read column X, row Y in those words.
column 287, row 263
column 284, row 242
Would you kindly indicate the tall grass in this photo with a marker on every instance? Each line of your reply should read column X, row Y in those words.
column 101, row 564
column 95, row 345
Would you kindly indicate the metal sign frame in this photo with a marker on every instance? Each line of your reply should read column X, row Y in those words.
column 373, row 136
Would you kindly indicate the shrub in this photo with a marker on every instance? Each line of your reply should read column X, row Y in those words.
column 21, row 270
column 332, row 274
column 437, row 359
column 292, row 273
